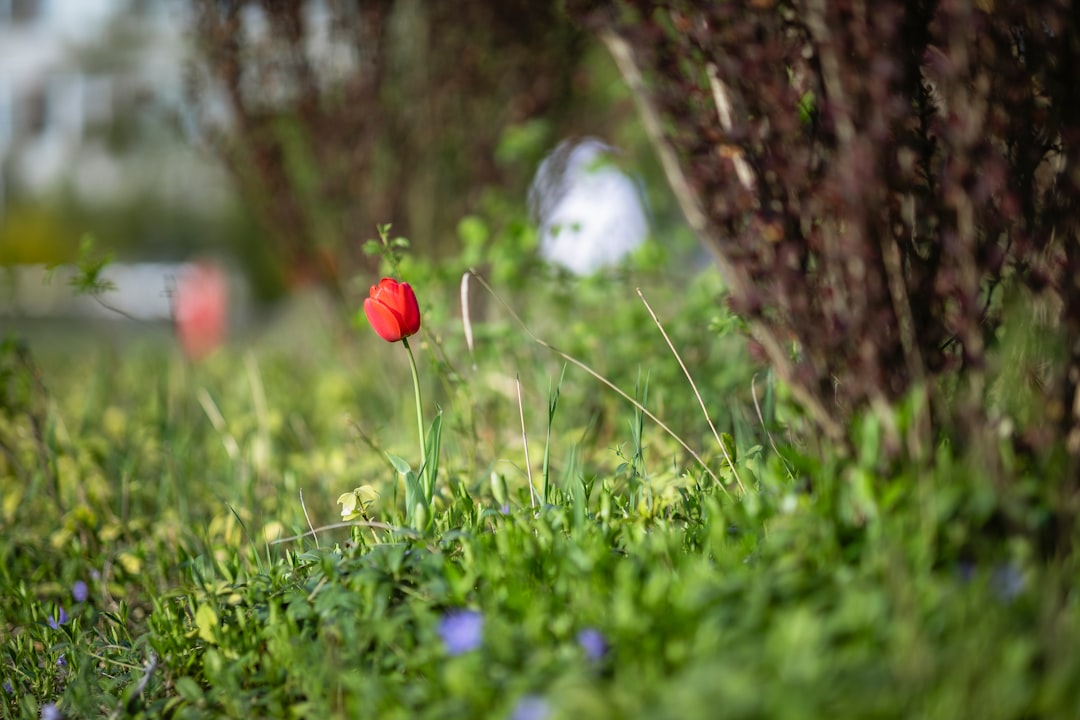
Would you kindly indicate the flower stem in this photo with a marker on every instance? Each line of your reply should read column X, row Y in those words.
column 419, row 411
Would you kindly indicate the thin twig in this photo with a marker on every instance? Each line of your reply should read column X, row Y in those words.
column 722, row 98
column 466, row 321
column 919, row 436
column 112, row 308
column 693, row 386
column 603, row 380
column 367, row 439
column 218, row 422
column 148, row 671
column 355, row 523
column 308, row 518
column 688, row 201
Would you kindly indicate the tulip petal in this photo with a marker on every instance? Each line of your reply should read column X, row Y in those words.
column 409, row 310
column 394, row 295
column 385, row 322
column 392, row 310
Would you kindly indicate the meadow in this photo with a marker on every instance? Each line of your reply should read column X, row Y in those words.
column 173, row 543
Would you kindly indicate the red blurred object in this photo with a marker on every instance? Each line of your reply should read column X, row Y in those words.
column 200, row 307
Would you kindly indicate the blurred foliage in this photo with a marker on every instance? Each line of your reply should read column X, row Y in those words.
column 34, row 234
column 334, row 117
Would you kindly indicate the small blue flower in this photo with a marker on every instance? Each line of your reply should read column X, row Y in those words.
column 461, row 631
column 505, row 508
column 8, row 688
column 59, row 619
column 60, row 661
column 531, row 707
column 1007, row 581
column 49, row 711
column 593, row 643
column 80, row 591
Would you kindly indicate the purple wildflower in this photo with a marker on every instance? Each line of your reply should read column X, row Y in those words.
column 531, row 707
column 80, row 591
column 593, row 643
column 58, row 619
column 49, row 711
column 461, row 631
column 61, row 661
column 8, row 688
column 1006, row 580
column 505, row 508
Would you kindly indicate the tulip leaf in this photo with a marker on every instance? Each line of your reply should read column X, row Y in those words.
column 434, row 442
column 414, row 494
column 400, row 464
column 414, row 490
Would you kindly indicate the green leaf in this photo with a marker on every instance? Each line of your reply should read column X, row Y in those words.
column 869, row 436
column 473, row 232
column 729, row 445
column 188, row 689
column 432, row 448
column 207, row 620
column 414, row 494
column 399, row 464
column 807, row 104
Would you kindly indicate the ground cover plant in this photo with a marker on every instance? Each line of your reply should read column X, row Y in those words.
column 157, row 558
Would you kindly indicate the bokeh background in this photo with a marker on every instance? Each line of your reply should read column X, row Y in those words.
column 272, row 138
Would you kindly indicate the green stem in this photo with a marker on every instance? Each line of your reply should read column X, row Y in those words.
column 419, row 410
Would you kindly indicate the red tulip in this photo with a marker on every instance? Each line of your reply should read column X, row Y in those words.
column 200, row 307
column 392, row 310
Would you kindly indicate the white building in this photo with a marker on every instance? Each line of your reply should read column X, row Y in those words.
column 91, row 99
column 76, row 75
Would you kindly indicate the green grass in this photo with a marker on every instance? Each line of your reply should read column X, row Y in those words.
column 835, row 585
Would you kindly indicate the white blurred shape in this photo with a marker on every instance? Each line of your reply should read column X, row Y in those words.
column 590, row 213
column 77, row 19
column 140, row 291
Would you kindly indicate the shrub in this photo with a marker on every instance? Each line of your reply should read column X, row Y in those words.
column 876, row 179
